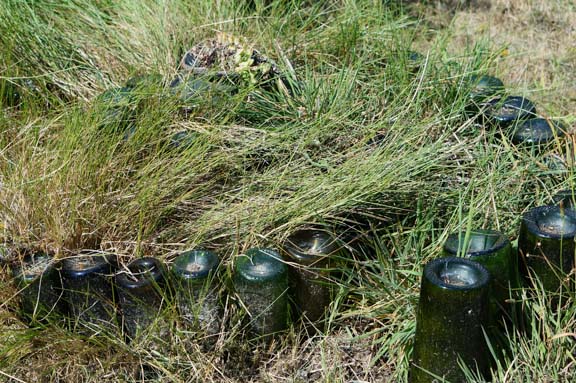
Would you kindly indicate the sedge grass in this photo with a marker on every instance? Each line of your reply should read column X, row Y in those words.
column 370, row 143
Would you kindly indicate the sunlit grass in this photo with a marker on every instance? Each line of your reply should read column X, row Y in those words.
column 360, row 138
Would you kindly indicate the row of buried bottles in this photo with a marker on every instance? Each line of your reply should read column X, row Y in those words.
column 95, row 294
column 515, row 115
column 468, row 297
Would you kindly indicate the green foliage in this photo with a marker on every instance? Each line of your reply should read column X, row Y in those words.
column 356, row 133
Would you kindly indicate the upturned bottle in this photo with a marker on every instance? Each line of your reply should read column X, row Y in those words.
column 566, row 199
column 493, row 250
column 507, row 111
column 141, row 294
column 89, row 292
column 546, row 245
column 483, row 89
column 310, row 254
column 37, row 278
column 118, row 107
column 9, row 94
column 452, row 314
column 537, row 133
column 261, row 282
column 193, row 275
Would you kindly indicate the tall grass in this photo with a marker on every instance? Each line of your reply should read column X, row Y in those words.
column 373, row 145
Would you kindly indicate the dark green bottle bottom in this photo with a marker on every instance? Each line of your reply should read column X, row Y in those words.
column 452, row 314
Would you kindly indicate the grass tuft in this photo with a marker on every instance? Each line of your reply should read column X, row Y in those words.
column 358, row 134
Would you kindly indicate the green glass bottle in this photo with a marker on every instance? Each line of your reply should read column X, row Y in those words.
column 89, row 292
column 537, row 133
column 146, row 81
column 141, row 292
column 261, row 282
column 6, row 255
column 193, row 91
column 507, row 111
column 183, row 140
column 546, row 245
column 193, row 274
column 39, row 285
column 483, row 88
column 118, row 107
column 452, row 313
column 9, row 93
column 414, row 61
column 493, row 250
column 309, row 253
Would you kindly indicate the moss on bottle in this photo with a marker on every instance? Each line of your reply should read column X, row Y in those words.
column 546, row 245
column 453, row 310
column 141, row 293
column 261, row 282
column 89, row 293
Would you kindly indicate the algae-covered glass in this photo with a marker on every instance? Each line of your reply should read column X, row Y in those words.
column 450, row 325
column 309, row 253
column 89, row 292
column 39, row 285
column 509, row 110
column 546, row 245
column 261, row 281
column 141, row 292
column 493, row 250
column 193, row 273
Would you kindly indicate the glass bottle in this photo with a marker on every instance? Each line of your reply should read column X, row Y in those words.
column 537, row 132
column 546, row 245
column 565, row 199
column 452, row 313
column 309, row 253
column 261, row 282
column 506, row 111
column 118, row 107
column 39, row 285
column 193, row 273
column 483, row 89
column 9, row 93
column 89, row 292
column 141, row 293
column 493, row 250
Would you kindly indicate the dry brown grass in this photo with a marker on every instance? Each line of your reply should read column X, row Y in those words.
column 537, row 39
column 537, row 58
